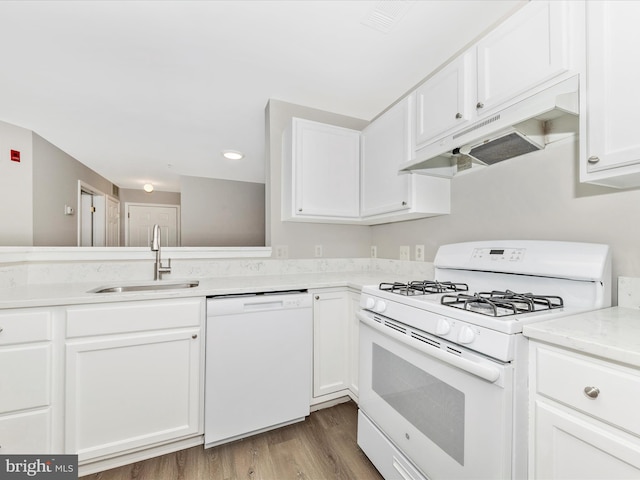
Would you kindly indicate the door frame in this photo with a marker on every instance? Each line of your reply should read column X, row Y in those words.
column 85, row 187
column 142, row 204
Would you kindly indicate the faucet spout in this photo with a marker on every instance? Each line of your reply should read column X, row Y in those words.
column 156, row 242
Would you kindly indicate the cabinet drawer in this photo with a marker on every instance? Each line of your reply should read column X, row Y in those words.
column 130, row 317
column 24, row 326
column 27, row 386
column 564, row 377
column 26, row 433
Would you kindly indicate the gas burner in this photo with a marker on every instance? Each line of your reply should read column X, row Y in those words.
column 423, row 287
column 502, row 303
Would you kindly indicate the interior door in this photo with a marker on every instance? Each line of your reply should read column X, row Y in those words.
column 142, row 217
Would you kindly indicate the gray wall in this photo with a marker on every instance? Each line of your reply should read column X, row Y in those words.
column 338, row 241
column 55, row 184
column 16, row 199
column 222, row 213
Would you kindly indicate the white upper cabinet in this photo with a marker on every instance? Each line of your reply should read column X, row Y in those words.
column 321, row 172
column 610, row 144
column 525, row 51
column 388, row 195
column 445, row 102
column 385, row 144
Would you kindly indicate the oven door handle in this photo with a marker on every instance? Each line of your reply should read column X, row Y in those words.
column 486, row 372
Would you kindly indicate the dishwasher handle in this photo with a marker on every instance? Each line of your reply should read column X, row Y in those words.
column 257, row 303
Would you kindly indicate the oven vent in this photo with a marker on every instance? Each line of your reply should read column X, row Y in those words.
column 427, row 340
column 395, row 326
column 454, row 351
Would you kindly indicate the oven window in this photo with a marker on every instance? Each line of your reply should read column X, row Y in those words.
column 429, row 404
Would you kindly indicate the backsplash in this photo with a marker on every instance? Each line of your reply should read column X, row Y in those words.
column 629, row 292
column 42, row 273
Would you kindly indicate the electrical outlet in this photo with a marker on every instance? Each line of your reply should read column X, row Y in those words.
column 419, row 253
column 282, row 251
column 318, row 250
column 374, row 251
column 404, row 252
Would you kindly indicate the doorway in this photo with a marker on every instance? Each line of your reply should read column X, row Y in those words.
column 91, row 216
column 140, row 219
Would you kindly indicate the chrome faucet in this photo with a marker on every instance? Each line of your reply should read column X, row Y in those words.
column 158, row 268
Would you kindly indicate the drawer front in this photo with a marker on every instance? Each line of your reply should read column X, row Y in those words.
column 564, row 376
column 26, row 433
column 24, row 326
column 127, row 317
column 29, row 385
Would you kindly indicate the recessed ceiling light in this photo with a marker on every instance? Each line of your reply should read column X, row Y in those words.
column 148, row 188
column 232, row 154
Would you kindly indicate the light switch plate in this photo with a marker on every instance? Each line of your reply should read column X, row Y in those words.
column 404, row 252
column 374, row 251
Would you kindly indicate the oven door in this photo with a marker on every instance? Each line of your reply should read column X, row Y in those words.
column 450, row 414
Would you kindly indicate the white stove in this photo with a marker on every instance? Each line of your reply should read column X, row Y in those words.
column 483, row 289
column 443, row 363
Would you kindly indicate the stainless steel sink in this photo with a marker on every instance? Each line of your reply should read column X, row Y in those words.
column 147, row 287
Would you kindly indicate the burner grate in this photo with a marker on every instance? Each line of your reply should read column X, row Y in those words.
column 423, row 287
column 502, row 303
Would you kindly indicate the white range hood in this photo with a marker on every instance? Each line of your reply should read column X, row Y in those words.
column 526, row 126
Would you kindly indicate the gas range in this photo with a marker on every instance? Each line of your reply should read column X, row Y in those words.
column 484, row 292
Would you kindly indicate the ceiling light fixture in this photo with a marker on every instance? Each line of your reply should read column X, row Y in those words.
column 232, row 154
column 148, row 188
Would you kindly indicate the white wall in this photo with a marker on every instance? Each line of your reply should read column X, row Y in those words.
column 338, row 241
column 536, row 196
column 16, row 189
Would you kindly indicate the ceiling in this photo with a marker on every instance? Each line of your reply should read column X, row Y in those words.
column 146, row 91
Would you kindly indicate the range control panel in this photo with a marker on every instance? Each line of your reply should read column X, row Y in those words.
column 499, row 254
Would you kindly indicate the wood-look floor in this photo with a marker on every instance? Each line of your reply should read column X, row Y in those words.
column 322, row 447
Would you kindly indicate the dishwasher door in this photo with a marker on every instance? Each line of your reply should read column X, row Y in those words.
column 259, row 354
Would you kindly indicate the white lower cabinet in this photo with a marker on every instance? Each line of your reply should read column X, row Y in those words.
column 335, row 340
column 583, row 414
column 26, row 382
column 134, row 376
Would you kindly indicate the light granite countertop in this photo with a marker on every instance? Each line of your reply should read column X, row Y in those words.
column 611, row 333
column 80, row 293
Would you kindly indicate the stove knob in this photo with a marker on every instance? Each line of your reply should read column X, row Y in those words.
column 380, row 306
column 369, row 303
column 466, row 335
column 443, row 327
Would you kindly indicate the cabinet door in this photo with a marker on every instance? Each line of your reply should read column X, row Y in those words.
column 385, row 145
column 130, row 391
column 330, row 342
column 445, row 101
column 612, row 101
column 326, row 167
column 569, row 446
column 526, row 50
column 27, row 432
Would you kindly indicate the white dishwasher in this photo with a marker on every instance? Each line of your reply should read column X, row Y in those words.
column 259, row 354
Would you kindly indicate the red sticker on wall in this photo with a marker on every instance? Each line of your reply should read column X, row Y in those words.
column 15, row 156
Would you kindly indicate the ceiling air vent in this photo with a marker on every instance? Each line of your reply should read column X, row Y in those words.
column 115, row 190
column 384, row 15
